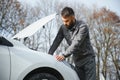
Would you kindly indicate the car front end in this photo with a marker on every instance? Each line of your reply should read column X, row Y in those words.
column 25, row 62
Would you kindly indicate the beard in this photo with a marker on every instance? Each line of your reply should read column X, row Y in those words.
column 70, row 26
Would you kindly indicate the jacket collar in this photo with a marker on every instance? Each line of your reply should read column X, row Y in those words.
column 74, row 26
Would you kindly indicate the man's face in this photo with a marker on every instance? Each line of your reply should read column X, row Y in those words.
column 68, row 21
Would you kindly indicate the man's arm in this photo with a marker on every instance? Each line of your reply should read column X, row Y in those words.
column 56, row 41
column 77, row 40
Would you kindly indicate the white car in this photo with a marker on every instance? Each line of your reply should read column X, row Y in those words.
column 17, row 62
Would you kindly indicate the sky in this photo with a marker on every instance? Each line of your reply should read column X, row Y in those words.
column 113, row 5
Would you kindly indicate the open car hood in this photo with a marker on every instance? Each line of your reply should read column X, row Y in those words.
column 34, row 27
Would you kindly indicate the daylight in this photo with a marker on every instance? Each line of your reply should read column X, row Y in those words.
column 59, row 40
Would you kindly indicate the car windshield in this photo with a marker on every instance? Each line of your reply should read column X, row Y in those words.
column 4, row 41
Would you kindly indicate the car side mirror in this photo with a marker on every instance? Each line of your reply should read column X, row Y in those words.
column 4, row 41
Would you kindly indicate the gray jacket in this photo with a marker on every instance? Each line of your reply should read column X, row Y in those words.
column 78, row 40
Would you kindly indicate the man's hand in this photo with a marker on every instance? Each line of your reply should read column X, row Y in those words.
column 59, row 57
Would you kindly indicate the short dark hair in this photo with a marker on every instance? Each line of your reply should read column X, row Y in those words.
column 67, row 11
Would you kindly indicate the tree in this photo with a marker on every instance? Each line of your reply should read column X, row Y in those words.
column 105, row 36
column 11, row 17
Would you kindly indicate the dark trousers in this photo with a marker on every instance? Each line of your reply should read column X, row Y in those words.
column 88, row 70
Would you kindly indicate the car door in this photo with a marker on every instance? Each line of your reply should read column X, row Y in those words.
column 4, row 60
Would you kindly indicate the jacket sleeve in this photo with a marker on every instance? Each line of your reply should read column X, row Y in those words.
column 56, row 41
column 79, row 37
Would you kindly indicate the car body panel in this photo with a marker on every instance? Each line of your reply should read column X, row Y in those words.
column 24, row 60
column 4, row 63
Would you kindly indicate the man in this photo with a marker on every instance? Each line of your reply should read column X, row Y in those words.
column 76, row 34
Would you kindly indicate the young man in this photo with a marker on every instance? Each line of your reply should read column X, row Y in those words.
column 76, row 34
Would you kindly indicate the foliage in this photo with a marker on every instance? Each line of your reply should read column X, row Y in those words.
column 11, row 17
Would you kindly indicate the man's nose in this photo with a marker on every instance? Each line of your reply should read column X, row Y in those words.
column 64, row 23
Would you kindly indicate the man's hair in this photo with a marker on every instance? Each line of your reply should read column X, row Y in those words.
column 67, row 11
